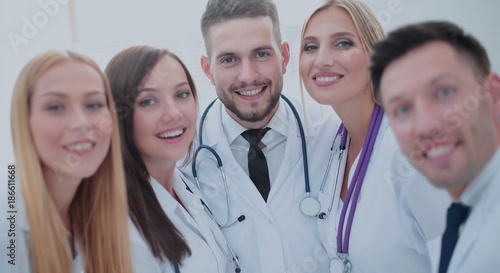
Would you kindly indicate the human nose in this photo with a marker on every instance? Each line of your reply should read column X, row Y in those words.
column 324, row 58
column 171, row 111
column 428, row 125
column 248, row 72
column 80, row 120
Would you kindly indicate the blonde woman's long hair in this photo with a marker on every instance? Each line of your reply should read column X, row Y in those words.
column 367, row 25
column 99, row 212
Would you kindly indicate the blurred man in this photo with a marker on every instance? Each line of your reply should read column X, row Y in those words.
column 435, row 84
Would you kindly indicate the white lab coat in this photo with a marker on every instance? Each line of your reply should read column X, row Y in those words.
column 397, row 212
column 142, row 258
column 22, row 250
column 479, row 241
column 275, row 236
column 201, row 233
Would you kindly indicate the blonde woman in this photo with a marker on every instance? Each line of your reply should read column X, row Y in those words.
column 67, row 148
column 373, row 216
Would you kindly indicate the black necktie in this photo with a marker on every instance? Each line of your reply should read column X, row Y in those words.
column 457, row 214
column 257, row 164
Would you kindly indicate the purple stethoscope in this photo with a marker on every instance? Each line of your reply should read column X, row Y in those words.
column 341, row 263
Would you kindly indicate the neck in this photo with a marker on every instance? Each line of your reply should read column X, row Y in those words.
column 356, row 118
column 163, row 172
column 456, row 192
column 62, row 189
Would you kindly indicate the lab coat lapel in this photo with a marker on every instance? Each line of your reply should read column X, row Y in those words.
column 293, row 154
column 475, row 224
column 193, row 205
column 237, row 179
column 468, row 237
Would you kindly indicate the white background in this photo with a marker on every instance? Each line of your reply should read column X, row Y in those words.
column 101, row 29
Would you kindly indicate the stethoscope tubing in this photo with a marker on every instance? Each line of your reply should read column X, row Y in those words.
column 219, row 161
column 357, row 181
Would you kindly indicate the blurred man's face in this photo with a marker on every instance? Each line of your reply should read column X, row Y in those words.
column 441, row 115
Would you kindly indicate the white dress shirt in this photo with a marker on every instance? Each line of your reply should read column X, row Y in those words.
column 274, row 141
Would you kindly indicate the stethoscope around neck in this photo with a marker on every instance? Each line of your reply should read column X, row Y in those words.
column 242, row 217
column 341, row 262
column 307, row 205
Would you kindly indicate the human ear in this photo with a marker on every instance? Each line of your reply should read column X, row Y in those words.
column 285, row 56
column 205, row 66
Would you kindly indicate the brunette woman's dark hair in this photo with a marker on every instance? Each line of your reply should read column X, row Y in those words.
column 125, row 72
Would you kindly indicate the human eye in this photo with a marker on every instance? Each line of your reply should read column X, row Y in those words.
column 95, row 105
column 310, row 47
column 55, row 108
column 345, row 44
column 183, row 94
column 228, row 60
column 443, row 92
column 262, row 54
column 146, row 102
column 401, row 110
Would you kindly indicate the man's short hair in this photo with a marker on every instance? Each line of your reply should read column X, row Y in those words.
column 405, row 39
column 219, row 11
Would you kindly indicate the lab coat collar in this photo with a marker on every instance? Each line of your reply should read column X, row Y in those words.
column 190, row 197
column 292, row 154
column 487, row 200
column 293, row 149
column 218, row 115
column 233, row 129
column 477, row 187
column 171, row 206
column 192, row 204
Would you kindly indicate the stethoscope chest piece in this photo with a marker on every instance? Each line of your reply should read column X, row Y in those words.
column 340, row 265
column 309, row 206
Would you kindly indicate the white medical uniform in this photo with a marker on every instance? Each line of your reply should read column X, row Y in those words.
column 274, row 236
column 479, row 240
column 200, row 232
column 142, row 258
column 397, row 212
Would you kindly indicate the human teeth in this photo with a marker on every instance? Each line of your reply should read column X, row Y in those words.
column 80, row 146
column 251, row 92
column 439, row 150
column 327, row 79
column 170, row 134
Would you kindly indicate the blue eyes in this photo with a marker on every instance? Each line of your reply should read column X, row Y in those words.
column 55, row 108
column 344, row 44
column 440, row 93
column 443, row 92
column 401, row 110
column 61, row 107
column 95, row 105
